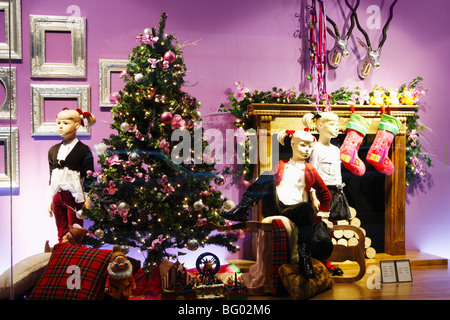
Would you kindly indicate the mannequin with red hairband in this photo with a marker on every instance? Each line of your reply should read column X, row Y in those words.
column 285, row 191
column 69, row 162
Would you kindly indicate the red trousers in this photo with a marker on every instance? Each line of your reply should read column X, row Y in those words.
column 65, row 211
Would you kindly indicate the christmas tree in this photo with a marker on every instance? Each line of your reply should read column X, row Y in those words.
column 150, row 194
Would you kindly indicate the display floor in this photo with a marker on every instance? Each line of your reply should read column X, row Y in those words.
column 430, row 274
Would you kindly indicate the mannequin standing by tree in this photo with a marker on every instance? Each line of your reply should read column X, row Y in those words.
column 69, row 161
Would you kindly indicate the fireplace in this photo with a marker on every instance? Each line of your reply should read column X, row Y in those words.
column 388, row 190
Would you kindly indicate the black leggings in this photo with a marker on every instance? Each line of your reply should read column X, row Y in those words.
column 264, row 189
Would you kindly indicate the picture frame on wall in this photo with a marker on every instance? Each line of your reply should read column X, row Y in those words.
column 105, row 68
column 9, row 141
column 8, row 80
column 13, row 44
column 40, row 92
column 76, row 26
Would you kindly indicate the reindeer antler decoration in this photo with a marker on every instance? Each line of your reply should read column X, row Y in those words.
column 340, row 46
column 371, row 58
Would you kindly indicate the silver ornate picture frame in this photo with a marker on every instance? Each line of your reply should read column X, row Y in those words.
column 9, row 106
column 10, row 141
column 15, row 42
column 38, row 95
column 77, row 27
column 105, row 67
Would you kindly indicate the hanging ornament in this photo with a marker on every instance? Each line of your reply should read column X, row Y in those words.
column 198, row 104
column 134, row 157
column 170, row 56
column 147, row 31
column 138, row 77
column 124, row 127
column 123, row 206
column 197, row 116
column 198, row 205
column 166, row 117
column 192, row 244
column 228, row 205
column 219, row 180
column 80, row 214
column 124, row 248
column 99, row 233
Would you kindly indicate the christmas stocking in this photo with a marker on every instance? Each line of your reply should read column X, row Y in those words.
column 356, row 130
column 378, row 152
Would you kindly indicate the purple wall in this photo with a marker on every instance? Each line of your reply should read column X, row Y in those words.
column 250, row 41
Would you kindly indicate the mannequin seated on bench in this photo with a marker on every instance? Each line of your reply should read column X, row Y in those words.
column 285, row 191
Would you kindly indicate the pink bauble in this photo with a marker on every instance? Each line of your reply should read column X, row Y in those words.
column 166, row 117
column 170, row 56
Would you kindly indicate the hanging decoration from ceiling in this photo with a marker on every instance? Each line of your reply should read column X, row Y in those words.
column 318, row 51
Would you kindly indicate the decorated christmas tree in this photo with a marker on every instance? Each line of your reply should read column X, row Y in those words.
column 157, row 186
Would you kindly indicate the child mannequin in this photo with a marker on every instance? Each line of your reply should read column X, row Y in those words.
column 326, row 159
column 285, row 191
column 68, row 162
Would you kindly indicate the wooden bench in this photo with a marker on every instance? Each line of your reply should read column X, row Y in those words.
column 340, row 253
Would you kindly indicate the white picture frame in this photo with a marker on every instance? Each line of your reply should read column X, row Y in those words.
column 77, row 28
column 105, row 67
column 8, row 80
column 9, row 137
column 39, row 92
column 13, row 44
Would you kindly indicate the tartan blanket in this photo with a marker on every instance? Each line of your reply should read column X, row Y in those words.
column 280, row 255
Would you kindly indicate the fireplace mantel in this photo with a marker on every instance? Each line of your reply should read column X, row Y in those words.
column 271, row 118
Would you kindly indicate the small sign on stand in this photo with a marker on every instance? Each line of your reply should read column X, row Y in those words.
column 393, row 271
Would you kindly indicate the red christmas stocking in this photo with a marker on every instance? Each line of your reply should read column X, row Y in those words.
column 379, row 150
column 356, row 130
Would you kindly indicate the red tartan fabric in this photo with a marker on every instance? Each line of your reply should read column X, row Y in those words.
column 58, row 281
column 279, row 254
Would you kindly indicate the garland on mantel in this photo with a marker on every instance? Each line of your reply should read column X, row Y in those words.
column 242, row 97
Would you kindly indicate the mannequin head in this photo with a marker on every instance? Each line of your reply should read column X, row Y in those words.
column 302, row 144
column 327, row 124
column 68, row 122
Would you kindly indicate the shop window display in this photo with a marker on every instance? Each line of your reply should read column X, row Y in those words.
column 157, row 187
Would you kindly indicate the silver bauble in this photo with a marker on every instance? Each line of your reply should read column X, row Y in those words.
column 124, row 248
column 219, row 180
column 123, row 206
column 197, row 116
column 80, row 214
column 192, row 244
column 198, row 205
column 99, row 233
column 228, row 205
column 124, row 127
column 134, row 157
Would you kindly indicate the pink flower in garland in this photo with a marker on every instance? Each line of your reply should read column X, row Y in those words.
column 157, row 243
column 414, row 137
column 241, row 91
column 113, row 160
column 164, row 145
column 146, row 39
column 153, row 62
column 114, row 211
column 111, row 189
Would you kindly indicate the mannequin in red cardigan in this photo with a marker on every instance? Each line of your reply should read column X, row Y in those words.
column 285, row 191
